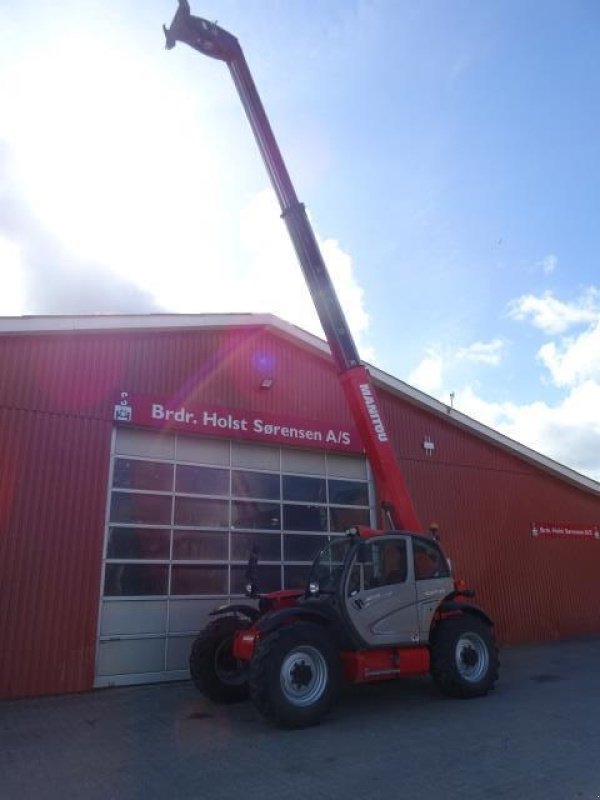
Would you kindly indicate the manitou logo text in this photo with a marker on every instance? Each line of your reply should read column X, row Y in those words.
column 373, row 411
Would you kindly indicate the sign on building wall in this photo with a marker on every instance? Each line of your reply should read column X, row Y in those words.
column 564, row 529
column 234, row 423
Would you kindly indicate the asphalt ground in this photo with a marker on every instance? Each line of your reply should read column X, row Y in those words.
column 536, row 736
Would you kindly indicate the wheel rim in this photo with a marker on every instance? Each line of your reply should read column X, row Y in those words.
column 472, row 657
column 303, row 676
column 228, row 668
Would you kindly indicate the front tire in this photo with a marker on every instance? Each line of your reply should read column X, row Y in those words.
column 464, row 657
column 295, row 675
column 214, row 669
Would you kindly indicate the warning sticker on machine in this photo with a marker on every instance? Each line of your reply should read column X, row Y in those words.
column 564, row 529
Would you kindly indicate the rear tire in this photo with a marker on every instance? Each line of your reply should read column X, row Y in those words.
column 295, row 675
column 215, row 671
column 464, row 657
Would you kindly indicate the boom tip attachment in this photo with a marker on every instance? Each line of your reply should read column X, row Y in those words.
column 178, row 25
column 202, row 35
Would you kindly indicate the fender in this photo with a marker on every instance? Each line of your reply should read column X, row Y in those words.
column 320, row 614
column 251, row 613
column 452, row 607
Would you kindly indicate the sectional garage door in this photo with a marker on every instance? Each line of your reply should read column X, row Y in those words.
column 183, row 514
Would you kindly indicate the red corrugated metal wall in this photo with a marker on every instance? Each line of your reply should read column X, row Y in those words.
column 485, row 499
column 52, row 500
column 56, row 401
column 56, row 398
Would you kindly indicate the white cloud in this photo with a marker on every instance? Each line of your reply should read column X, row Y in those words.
column 553, row 316
column 571, row 359
column 483, row 352
column 273, row 281
column 575, row 359
column 123, row 173
column 548, row 264
column 568, row 432
column 427, row 376
column 568, row 429
column 146, row 197
column 432, row 373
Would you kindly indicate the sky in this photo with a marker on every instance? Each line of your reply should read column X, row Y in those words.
column 448, row 155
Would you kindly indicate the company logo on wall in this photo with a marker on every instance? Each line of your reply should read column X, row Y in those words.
column 564, row 529
column 161, row 413
column 123, row 411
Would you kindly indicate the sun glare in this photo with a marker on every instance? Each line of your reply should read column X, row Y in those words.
column 110, row 159
column 121, row 159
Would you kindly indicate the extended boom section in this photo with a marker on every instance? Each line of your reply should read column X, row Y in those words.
column 211, row 40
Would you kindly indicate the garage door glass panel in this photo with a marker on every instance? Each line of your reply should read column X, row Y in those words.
column 131, row 656
column 302, row 548
column 178, row 652
column 296, row 576
column 304, row 518
column 348, row 493
column 131, row 474
column 134, row 616
column 202, row 513
column 200, row 546
column 138, row 543
column 311, row 490
column 146, row 509
column 199, row 579
column 201, row 480
column 250, row 514
column 260, row 485
column 135, row 579
column 268, row 579
column 267, row 544
column 341, row 519
column 254, row 456
column 342, row 466
column 202, row 451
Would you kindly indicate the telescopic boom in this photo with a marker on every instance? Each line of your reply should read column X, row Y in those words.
column 211, row 40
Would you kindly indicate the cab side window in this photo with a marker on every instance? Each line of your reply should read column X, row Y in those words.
column 429, row 561
column 395, row 566
column 384, row 564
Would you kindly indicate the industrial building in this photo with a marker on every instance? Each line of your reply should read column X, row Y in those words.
column 141, row 457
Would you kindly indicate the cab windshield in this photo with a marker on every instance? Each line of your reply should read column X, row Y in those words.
column 329, row 565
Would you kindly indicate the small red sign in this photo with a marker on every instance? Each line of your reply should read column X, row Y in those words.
column 564, row 529
column 233, row 423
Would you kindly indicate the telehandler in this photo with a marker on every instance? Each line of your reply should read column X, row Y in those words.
column 378, row 604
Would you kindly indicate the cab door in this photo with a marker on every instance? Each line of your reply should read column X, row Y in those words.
column 433, row 581
column 380, row 592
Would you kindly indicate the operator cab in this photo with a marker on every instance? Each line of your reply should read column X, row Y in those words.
column 387, row 587
column 377, row 561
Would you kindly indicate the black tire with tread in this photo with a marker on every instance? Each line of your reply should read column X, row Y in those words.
column 443, row 647
column 265, row 675
column 206, row 648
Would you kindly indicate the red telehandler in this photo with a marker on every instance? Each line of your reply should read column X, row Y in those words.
column 378, row 604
